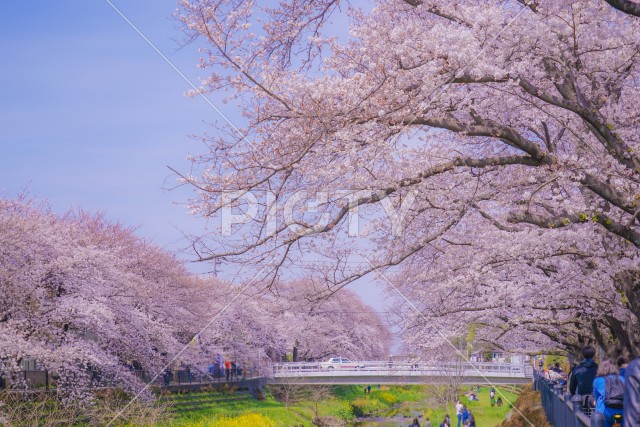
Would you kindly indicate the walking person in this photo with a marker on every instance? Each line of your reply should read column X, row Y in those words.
column 608, row 392
column 167, row 376
column 219, row 367
column 227, row 368
column 471, row 420
column 581, row 381
column 465, row 415
column 459, row 409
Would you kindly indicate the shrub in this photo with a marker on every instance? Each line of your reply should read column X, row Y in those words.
column 16, row 410
column 387, row 398
column 365, row 407
column 342, row 410
column 247, row 420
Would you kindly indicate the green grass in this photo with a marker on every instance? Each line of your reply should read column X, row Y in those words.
column 485, row 415
column 348, row 402
column 269, row 407
column 297, row 414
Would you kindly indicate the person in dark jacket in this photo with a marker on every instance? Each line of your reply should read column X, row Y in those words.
column 581, row 381
column 632, row 394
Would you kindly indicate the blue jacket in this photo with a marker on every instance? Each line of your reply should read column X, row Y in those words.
column 599, row 395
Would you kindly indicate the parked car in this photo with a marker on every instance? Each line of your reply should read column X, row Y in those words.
column 340, row 363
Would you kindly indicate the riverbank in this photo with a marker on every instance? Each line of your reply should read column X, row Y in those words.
column 291, row 406
column 336, row 406
column 529, row 411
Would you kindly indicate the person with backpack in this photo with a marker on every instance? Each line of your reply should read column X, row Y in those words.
column 608, row 391
column 582, row 376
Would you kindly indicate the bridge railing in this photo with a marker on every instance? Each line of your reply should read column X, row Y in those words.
column 560, row 408
column 364, row 368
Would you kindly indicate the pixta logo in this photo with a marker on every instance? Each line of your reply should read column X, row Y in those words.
column 305, row 213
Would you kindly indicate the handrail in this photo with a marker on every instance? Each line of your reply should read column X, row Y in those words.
column 34, row 380
column 561, row 408
column 367, row 368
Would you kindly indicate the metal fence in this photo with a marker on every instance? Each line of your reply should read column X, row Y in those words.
column 390, row 368
column 195, row 376
column 561, row 409
column 36, row 379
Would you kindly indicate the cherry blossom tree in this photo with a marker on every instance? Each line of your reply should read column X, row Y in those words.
column 261, row 328
column 322, row 325
column 244, row 329
column 88, row 300
column 455, row 127
column 83, row 297
column 527, row 300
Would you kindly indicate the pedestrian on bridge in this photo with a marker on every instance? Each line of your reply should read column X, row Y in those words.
column 227, row 369
column 218, row 365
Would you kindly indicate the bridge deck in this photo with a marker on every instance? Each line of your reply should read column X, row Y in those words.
column 401, row 373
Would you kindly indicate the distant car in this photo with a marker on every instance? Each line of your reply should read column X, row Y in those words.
column 340, row 363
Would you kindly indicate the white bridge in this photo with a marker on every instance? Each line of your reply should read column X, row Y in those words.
column 385, row 372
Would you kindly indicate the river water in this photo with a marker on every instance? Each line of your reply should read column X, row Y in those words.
column 393, row 419
column 386, row 422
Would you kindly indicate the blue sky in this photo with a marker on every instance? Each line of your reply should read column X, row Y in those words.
column 91, row 115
